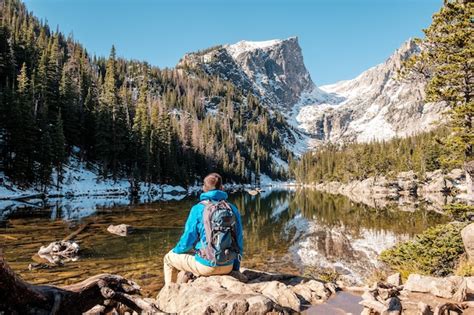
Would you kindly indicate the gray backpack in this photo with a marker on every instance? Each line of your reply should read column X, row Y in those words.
column 220, row 224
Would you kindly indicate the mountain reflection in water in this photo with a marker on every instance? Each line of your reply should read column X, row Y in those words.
column 285, row 231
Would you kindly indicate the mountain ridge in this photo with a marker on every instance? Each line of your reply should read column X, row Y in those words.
column 375, row 105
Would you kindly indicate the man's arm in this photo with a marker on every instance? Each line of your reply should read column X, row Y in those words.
column 240, row 238
column 190, row 234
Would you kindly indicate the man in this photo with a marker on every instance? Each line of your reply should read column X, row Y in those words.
column 213, row 231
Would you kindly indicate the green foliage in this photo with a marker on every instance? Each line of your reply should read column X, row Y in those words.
column 134, row 120
column 446, row 60
column 326, row 275
column 459, row 212
column 464, row 267
column 359, row 161
column 433, row 252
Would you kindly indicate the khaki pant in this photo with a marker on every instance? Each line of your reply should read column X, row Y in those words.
column 173, row 263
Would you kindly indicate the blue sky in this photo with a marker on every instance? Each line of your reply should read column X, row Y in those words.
column 339, row 38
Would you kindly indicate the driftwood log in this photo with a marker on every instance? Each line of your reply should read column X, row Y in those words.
column 109, row 291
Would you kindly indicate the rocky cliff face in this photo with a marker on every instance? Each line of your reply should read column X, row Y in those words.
column 377, row 105
column 273, row 70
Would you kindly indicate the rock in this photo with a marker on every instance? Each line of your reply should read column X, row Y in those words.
column 281, row 294
column 424, row 308
column 434, row 183
column 120, row 229
column 395, row 279
column 407, row 181
column 441, row 287
column 467, row 235
column 184, row 277
column 470, row 284
column 59, row 252
column 273, row 70
column 261, row 293
column 456, row 174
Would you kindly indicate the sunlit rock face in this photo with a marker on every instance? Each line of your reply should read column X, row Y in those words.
column 353, row 254
column 274, row 70
column 376, row 105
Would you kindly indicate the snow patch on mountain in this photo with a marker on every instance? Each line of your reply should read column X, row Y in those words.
column 246, row 46
column 376, row 105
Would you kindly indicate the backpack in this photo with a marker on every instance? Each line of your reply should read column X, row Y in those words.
column 220, row 224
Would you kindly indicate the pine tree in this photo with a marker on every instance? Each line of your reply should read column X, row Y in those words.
column 447, row 61
column 21, row 127
column 58, row 155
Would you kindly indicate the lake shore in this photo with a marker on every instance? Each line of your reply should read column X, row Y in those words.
column 406, row 190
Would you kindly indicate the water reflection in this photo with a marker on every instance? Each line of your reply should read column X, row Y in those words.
column 326, row 231
column 285, row 231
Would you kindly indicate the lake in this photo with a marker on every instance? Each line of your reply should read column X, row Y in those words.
column 296, row 231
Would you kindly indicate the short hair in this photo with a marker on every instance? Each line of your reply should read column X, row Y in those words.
column 212, row 181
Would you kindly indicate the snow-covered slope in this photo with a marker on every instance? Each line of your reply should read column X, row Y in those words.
column 273, row 70
column 81, row 193
column 376, row 105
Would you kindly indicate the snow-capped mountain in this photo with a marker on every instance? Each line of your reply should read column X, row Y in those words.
column 375, row 105
column 273, row 70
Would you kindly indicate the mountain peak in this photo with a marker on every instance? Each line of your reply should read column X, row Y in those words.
column 274, row 69
column 247, row 46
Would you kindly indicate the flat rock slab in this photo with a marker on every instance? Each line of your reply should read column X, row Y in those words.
column 120, row 229
column 249, row 292
column 441, row 287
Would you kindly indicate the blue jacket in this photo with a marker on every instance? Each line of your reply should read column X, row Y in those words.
column 194, row 235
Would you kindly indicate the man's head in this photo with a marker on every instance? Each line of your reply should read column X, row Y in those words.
column 212, row 181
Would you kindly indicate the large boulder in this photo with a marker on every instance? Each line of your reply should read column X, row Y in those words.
column 467, row 235
column 251, row 292
column 395, row 279
column 435, row 182
column 407, row 181
column 442, row 287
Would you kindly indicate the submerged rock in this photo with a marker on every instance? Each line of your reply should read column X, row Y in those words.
column 249, row 292
column 59, row 252
column 120, row 229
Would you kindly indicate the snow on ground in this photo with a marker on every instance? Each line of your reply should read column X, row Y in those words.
column 82, row 192
column 80, row 180
column 277, row 161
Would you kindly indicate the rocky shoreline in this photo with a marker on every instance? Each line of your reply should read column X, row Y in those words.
column 407, row 190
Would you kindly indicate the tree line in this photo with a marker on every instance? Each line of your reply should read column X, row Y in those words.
column 446, row 63
column 357, row 161
column 134, row 120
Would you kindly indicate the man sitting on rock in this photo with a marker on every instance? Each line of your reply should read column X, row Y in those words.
column 212, row 241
